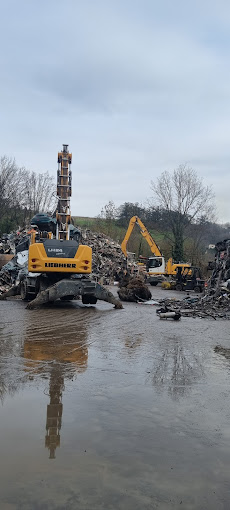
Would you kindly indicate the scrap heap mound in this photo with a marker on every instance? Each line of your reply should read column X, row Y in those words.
column 7, row 244
column 13, row 256
column 216, row 301
column 133, row 289
column 5, row 283
column 14, row 242
column 108, row 258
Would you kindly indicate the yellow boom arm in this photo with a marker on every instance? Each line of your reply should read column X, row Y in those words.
column 144, row 232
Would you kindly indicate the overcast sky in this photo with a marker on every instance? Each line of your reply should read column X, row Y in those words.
column 135, row 87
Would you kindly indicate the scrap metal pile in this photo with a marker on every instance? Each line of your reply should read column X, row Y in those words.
column 13, row 257
column 216, row 301
column 108, row 258
column 14, row 242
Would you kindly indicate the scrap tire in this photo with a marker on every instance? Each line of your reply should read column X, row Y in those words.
column 179, row 286
column 24, row 291
column 197, row 289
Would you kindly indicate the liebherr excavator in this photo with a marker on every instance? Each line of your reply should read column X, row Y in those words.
column 156, row 267
column 59, row 267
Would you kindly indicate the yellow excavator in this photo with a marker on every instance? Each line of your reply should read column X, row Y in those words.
column 156, row 267
column 59, row 267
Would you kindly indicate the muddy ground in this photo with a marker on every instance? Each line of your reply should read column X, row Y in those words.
column 112, row 409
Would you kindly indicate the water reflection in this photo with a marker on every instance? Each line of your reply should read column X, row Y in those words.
column 58, row 355
column 54, row 411
column 10, row 349
column 177, row 368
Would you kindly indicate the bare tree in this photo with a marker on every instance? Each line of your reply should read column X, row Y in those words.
column 184, row 198
column 109, row 214
column 8, row 183
column 109, row 211
column 39, row 191
column 23, row 193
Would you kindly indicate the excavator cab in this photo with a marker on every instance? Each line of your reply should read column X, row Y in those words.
column 155, row 263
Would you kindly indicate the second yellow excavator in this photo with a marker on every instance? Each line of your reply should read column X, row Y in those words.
column 156, row 266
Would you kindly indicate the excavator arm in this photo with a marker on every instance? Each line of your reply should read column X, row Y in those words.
column 144, row 232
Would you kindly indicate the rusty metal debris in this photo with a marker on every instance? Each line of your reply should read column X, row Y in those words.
column 215, row 303
column 14, row 242
column 13, row 257
column 168, row 313
column 201, row 307
column 133, row 289
column 108, row 258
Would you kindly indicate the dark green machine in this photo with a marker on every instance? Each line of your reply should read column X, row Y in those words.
column 189, row 279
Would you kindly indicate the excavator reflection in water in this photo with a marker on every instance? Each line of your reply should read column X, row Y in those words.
column 56, row 357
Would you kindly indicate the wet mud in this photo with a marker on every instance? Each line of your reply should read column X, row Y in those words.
column 112, row 409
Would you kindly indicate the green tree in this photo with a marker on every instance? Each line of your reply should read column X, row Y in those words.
column 127, row 211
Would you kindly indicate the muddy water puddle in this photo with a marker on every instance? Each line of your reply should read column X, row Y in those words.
column 112, row 409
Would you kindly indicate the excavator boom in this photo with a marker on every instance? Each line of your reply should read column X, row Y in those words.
column 64, row 192
column 144, row 232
